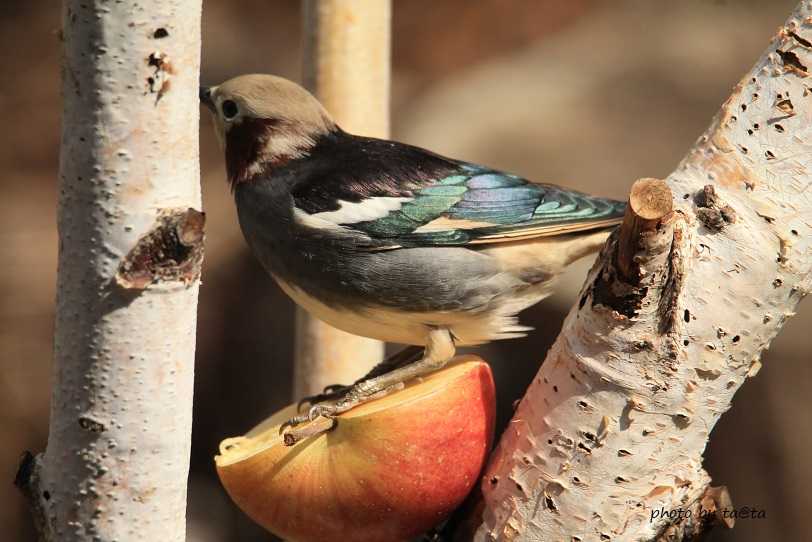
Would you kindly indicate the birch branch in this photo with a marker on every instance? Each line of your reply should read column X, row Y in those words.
column 130, row 251
column 347, row 54
column 614, row 426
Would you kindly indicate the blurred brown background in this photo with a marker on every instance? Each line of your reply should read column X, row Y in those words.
column 591, row 94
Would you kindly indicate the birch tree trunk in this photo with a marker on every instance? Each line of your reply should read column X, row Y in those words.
column 670, row 323
column 347, row 66
column 130, row 250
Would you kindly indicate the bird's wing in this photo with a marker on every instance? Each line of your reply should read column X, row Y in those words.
column 431, row 201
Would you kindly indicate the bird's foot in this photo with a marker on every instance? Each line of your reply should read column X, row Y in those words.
column 294, row 430
column 330, row 393
column 386, row 377
column 337, row 391
column 320, row 417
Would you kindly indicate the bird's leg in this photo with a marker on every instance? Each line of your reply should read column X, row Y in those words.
column 439, row 351
column 334, row 392
column 399, row 359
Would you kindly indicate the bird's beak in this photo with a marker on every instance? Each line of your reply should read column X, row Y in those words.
column 206, row 99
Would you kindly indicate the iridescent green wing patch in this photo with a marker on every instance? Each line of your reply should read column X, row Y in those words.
column 479, row 205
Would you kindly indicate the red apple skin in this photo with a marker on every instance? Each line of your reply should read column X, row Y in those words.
column 391, row 469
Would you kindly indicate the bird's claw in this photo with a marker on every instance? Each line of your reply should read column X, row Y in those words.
column 312, row 413
column 336, row 388
column 330, row 393
column 321, row 409
column 321, row 417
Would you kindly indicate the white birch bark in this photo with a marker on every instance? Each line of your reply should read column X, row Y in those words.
column 347, row 53
column 130, row 249
column 615, row 423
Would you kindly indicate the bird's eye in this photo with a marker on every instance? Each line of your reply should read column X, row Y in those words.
column 230, row 109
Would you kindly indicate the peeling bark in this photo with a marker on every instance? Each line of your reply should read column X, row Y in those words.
column 130, row 251
column 171, row 251
column 614, row 426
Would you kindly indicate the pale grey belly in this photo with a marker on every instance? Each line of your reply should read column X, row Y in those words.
column 493, row 321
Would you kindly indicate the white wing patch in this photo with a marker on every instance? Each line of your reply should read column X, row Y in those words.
column 350, row 212
column 306, row 219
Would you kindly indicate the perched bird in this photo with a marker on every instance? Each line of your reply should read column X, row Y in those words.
column 391, row 241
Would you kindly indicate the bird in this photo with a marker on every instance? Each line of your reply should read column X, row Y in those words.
column 391, row 241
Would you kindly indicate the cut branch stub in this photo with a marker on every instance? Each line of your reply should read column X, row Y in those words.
column 650, row 201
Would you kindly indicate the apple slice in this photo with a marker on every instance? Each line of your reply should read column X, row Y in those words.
column 390, row 470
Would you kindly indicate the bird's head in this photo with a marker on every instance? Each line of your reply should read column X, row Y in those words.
column 263, row 121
